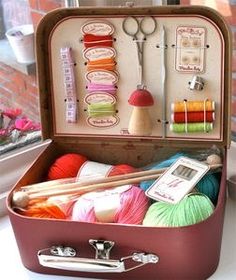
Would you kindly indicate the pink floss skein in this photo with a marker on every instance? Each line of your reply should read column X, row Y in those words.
column 91, row 87
column 132, row 209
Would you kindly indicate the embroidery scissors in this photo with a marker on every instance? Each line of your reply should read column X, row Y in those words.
column 146, row 26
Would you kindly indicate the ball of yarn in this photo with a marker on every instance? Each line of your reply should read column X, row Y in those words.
column 163, row 164
column 192, row 209
column 121, row 169
column 209, row 185
column 41, row 208
column 66, row 166
column 65, row 203
column 131, row 210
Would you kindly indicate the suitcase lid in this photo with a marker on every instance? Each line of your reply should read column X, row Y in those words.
column 193, row 51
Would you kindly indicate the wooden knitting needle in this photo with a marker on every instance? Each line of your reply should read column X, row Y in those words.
column 21, row 198
column 31, row 189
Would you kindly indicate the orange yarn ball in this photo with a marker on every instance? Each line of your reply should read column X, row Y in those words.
column 66, row 166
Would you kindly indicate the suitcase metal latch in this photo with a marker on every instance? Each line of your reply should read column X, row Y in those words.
column 65, row 258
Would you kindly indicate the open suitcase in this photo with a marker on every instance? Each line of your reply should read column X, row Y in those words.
column 188, row 252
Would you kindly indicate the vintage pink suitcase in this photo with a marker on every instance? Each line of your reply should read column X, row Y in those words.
column 139, row 252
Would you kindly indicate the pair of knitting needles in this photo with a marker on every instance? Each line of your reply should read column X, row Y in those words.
column 45, row 190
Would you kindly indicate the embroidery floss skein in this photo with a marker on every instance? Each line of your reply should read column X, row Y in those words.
column 192, row 209
column 105, row 64
column 91, row 40
column 101, row 109
column 92, row 87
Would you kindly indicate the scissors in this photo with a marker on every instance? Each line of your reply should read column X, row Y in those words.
column 146, row 26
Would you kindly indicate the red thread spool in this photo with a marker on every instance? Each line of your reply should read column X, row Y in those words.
column 193, row 117
column 91, row 40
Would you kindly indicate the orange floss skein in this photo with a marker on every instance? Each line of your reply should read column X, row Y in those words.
column 105, row 64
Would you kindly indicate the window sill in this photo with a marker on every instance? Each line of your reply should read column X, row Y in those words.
column 14, row 164
column 7, row 57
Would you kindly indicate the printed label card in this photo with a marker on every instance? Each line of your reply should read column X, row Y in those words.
column 178, row 180
column 190, row 49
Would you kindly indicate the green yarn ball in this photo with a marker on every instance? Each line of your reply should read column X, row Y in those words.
column 192, row 209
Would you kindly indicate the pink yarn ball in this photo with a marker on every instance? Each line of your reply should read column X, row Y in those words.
column 132, row 209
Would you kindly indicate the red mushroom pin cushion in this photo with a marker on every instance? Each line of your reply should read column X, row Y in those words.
column 140, row 122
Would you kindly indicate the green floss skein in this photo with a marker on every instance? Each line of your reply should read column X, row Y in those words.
column 101, row 110
column 192, row 209
column 191, row 127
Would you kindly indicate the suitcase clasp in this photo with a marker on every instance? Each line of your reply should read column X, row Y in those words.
column 65, row 258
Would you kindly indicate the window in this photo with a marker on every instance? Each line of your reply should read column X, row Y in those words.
column 18, row 126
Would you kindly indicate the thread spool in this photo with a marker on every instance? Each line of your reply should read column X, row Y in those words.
column 125, row 207
column 191, row 127
column 193, row 106
column 193, row 117
column 192, row 209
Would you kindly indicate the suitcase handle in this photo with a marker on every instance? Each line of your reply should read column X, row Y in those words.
column 65, row 258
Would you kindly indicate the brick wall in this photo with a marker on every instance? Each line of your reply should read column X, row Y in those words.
column 18, row 90
column 228, row 9
column 40, row 7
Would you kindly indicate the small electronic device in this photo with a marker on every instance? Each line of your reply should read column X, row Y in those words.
column 178, row 180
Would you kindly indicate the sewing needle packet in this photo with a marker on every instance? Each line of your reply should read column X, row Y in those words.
column 178, row 180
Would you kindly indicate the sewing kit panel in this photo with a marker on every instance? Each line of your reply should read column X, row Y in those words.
column 180, row 63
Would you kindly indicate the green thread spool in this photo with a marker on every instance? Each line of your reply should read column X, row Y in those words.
column 191, row 127
column 192, row 209
column 96, row 110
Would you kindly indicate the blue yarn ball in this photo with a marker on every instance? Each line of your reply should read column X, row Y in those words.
column 163, row 164
column 209, row 185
